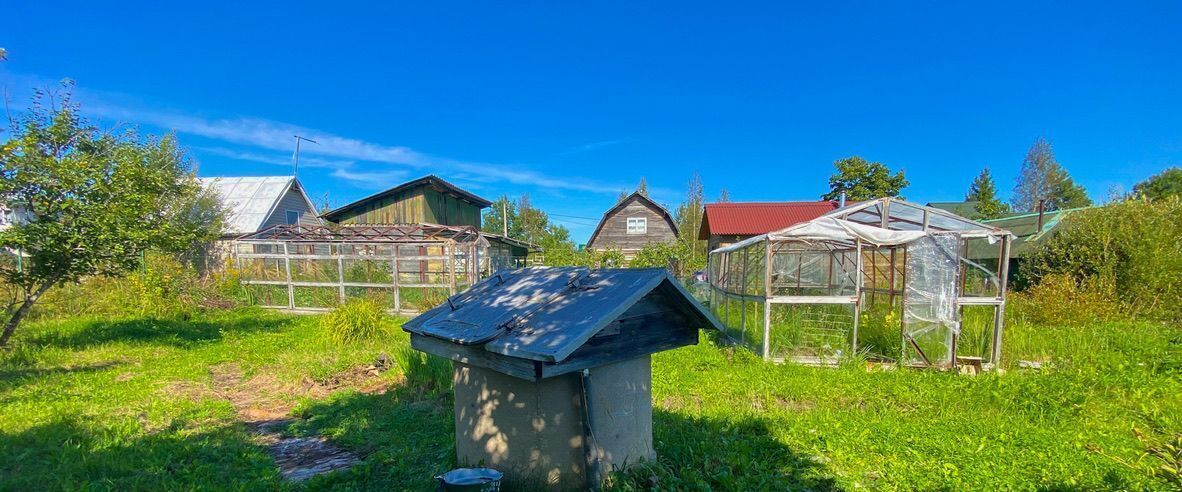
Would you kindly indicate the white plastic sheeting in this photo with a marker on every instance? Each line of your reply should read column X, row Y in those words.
column 931, row 316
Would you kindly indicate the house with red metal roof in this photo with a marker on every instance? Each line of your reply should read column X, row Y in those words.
column 727, row 223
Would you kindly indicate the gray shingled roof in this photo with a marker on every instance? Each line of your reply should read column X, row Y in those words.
column 545, row 313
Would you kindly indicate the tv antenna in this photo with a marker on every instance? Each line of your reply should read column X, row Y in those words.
column 295, row 158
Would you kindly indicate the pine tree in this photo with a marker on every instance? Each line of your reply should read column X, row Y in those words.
column 724, row 196
column 1043, row 179
column 642, row 188
column 689, row 220
column 984, row 192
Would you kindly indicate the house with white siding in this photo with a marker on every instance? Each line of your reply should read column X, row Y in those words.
column 255, row 203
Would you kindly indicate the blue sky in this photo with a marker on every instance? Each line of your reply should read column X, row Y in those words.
column 573, row 103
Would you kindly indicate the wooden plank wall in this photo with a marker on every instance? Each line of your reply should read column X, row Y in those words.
column 614, row 233
column 417, row 206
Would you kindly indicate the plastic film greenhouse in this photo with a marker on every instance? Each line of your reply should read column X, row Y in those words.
column 410, row 268
column 884, row 279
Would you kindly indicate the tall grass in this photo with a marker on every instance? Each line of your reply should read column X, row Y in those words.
column 355, row 320
column 425, row 372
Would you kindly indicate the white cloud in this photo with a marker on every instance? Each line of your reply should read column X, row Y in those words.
column 374, row 180
column 591, row 146
column 278, row 159
column 273, row 135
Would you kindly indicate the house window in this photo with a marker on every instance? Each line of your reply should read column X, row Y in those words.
column 293, row 217
column 637, row 225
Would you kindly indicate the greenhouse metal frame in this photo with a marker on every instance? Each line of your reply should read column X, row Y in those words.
column 313, row 268
column 886, row 279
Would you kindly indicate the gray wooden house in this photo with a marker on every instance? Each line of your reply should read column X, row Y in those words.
column 254, row 203
column 632, row 224
column 552, row 367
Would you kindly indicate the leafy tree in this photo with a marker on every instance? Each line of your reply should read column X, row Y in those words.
column 863, row 180
column 532, row 225
column 95, row 202
column 689, row 220
column 1042, row 178
column 673, row 256
column 1161, row 185
column 494, row 218
column 984, row 192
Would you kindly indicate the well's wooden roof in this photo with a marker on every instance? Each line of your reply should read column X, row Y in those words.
column 546, row 313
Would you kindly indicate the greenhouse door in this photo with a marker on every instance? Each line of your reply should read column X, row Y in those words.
column 931, row 320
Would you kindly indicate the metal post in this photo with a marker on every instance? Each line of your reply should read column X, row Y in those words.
column 450, row 257
column 767, row 305
column 743, row 297
column 290, row 288
column 340, row 273
column 857, row 298
column 394, row 269
column 1000, row 310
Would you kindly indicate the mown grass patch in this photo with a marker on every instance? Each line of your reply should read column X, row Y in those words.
column 146, row 403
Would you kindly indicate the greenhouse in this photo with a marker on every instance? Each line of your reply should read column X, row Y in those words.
column 884, row 279
column 411, row 268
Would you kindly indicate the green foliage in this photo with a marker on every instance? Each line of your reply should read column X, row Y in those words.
column 494, row 218
column 530, row 224
column 425, row 372
column 163, row 287
column 1042, row 178
column 863, row 180
column 642, row 187
column 675, row 256
column 133, row 396
column 1132, row 246
column 606, row 258
column 95, row 201
column 1061, row 300
column 984, row 192
column 1159, row 186
column 689, row 223
column 355, row 319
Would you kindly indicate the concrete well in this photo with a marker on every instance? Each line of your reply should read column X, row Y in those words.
column 533, row 431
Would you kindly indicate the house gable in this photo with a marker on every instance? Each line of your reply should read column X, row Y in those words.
column 614, row 232
column 427, row 200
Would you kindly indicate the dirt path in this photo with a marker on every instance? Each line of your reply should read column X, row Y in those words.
column 263, row 403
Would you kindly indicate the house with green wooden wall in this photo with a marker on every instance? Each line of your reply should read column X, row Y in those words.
column 429, row 200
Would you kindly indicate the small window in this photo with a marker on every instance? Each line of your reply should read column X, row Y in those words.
column 293, row 217
column 637, row 225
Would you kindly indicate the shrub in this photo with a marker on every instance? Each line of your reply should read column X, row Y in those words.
column 354, row 320
column 1132, row 245
column 1061, row 300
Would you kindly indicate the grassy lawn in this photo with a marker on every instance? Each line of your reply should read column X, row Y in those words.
column 160, row 404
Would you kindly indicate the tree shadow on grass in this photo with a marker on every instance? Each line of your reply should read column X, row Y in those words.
column 13, row 377
column 405, row 437
column 698, row 453
column 177, row 332
column 72, row 454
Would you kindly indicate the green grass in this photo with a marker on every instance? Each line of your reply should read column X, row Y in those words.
column 135, row 404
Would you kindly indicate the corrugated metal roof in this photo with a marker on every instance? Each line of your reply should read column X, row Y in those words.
column 754, row 218
column 544, row 313
column 249, row 199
